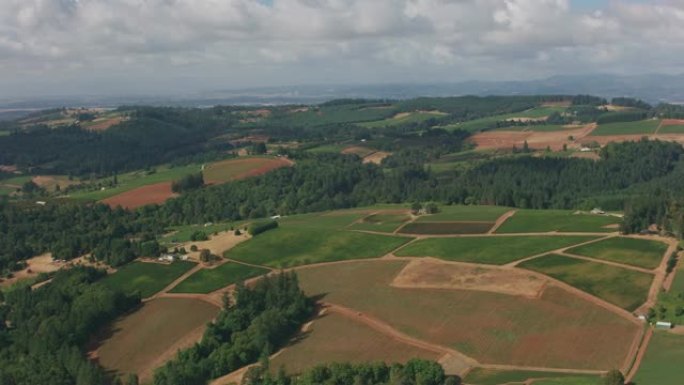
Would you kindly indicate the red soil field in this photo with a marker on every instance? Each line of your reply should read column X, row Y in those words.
column 536, row 140
column 244, row 168
column 141, row 196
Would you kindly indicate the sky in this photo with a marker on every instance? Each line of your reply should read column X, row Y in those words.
column 157, row 47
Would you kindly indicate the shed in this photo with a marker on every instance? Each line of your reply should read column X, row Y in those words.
column 663, row 325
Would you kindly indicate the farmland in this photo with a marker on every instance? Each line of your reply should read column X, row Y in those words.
column 234, row 169
column 662, row 364
column 458, row 213
column 141, row 196
column 622, row 287
column 498, row 377
column 147, row 278
column 446, row 228
column 183, row 233
column 381, row 222
column 537, row 221
column 636, row 252
column 144, row 340
column 498, row 250
column 335, row 338
column 404, row 118
column 211, row 279
column 643, row 127
column 557, row 330
column 490, row 121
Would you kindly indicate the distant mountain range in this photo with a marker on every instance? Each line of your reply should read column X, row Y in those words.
column 651, row 88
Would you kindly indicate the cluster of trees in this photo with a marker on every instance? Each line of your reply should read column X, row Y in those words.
column 43, row 331
column 188, row 183
column 631, row 103
column 414, row 372
column 261, row 227
column 621, row 116
column 260, row 321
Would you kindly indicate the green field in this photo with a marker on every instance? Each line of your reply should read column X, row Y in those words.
column 208, row 280
column 571, row 380
column 335, row 114
column 636, row 252
column 438, row 228
column 642, row 127
column 622, row 287
column 291, row 246
column 673, row 301
column 133, row 180
column 479, row 376
column 146, row 278
column 458, row 213
column 672, row 129
column 662, row 364
column 486, row 123
column 381, row 222
column 413, row 117
column 498, row 250
column 537, row 221
column 332, row 148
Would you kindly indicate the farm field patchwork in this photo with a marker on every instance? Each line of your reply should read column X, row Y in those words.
column 537, row 221
column 645, row 127
column 404, row 118
column 381, row 222
column 662, row 364
column 208, row 280
column 148, row 278
column 311, row 245
column 557, row 330
column 234, row 169
column 622, row 287
column 630, row 251
column 459, row 213
column 335, row 338
column 479, row 376
column 497, row 250
column 487, row 122
column 148, row 337
column 438, row 228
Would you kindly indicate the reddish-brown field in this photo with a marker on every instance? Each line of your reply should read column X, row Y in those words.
column 236, row 169
column 537, row 140
column 557, row 330
column 104, row 123
column 141, row 196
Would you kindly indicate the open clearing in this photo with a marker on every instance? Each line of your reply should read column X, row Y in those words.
column 217, row 244
column 558, row 330
column 309, row 245
column 141, row 196
column 662, row 364
column 432, row 274
column 148, row 278
column 36, row 265
column 50, row 182
column 376, row 157
column 404, row 118
column 622, row 287
column 381, row 222
column 497, row 250
column 538, row 140
column 145, row 339
column 359, row 151
column 235, row 169
column 459, row 213
column 645, row 127
column 207, row 280
column 630, row 251
column 479, row 376
column 672, row 126
column 537, row 221
column 179, row 234
column 438, row 228
column 335, row 338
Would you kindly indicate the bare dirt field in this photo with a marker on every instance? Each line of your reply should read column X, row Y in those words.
column 141, row 196
column 672, row 122
column 102, row 124
column 145, row 339
column 51, row 182
column 433, row 274
column 36, row 265
column 235, row 169
column 218, row 244
column 376, row 157
column 537, row 140
column 358, row 150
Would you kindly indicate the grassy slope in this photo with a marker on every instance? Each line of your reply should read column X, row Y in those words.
column 147, row 278
column 208, row 280
column 644, row 127
column 465, row 213
column 662, row 364
column 636, row 252
column 622, row 287
column 489, row 250
column 532, row 221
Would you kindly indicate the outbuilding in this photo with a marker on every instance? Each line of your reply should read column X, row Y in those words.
column 663, row 325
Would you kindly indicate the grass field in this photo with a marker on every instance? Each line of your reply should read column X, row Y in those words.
column 644, row 127
column 465, row 214
column 479, row 376
column 490, row 250
column 486, row 123
column 537, row 221
column 558, row 330
column 622, row 287
column 334, row 338
column 146, row 278
column 144, row 340
column 291, row 246
column 208, row 280
column 381, row 222
column 331, row 148
column 232, row 169
column 571, row 380
column 447, row 228
column 662, row 364
column 630, row 251
column 672, row 129
column 404, row 118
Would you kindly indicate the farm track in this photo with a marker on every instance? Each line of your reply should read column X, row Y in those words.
column 610, row 263
column 500, row 221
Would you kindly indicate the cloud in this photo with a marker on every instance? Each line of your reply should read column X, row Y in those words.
column 250, row 42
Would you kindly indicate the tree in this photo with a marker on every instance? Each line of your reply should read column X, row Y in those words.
column 431, row 208
column 416, row 207
column 132, row 379
column 614, row 377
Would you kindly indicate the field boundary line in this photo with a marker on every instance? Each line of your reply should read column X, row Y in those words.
column 610, row 263
column 501, row 220
column 556, row 251
column 541, row 369
column 657, row 130
column 639, row 357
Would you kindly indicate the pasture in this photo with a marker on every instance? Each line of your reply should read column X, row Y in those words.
column 642, row 127
column 630, row 251
column 538, row 221
column 480, row 376
column 211, row 279
column 145, row 339
column 381, row 222
column 147, row 278
column 460, row 213
column 439, row 228
column 556, row 330
column 662, row 364
column 498, row 250
column 290, row 246
column 234, row 169
column 625, row 288
column 335, row 338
